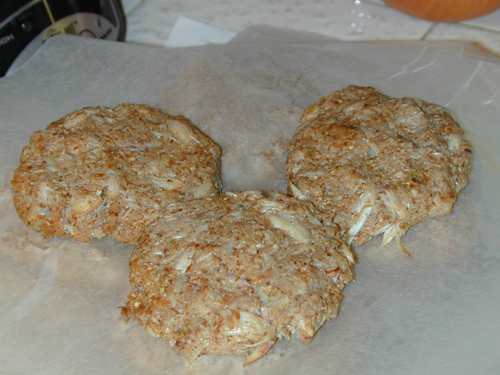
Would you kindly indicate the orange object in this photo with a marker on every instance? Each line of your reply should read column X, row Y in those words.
column 445, row 10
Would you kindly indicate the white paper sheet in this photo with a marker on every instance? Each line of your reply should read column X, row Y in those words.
column 433, row 313
column 189, row 33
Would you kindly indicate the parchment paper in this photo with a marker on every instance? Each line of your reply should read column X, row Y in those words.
column 437, row 312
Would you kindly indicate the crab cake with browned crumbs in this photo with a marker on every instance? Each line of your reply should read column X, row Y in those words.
column 231, row 274
column 376, row 164
column 109, row 171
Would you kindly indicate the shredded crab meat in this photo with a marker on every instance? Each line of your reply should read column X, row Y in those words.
column 234, row 273
column 290, row 225
column 354, row 230
column 109, row 171
column 366, row 206
column 295, row 191
column 409, row 155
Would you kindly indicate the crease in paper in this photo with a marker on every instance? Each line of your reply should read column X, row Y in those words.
column 491, row 100
column 425, row 66
column 405, row 67
column 466, row 84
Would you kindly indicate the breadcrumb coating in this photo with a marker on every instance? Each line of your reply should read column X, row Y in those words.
column 231, row 274
column 376, row 164
column 109, row 171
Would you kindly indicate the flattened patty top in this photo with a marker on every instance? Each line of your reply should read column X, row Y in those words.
column 376, row 164
column 109, row 171
column 233, row 273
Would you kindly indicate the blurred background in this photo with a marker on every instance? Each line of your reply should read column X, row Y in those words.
column 26, row 24
column 151, row 21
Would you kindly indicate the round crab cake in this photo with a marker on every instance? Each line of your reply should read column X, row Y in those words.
column 376, row 164
column 233, row 273
column 109, row 171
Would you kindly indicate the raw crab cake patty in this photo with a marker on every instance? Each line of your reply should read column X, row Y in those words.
column 231, row 274
column 109, row 171
column 376, row 164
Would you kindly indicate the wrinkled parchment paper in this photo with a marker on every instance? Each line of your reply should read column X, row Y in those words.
column 437, row 312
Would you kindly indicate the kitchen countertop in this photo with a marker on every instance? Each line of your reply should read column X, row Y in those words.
column 150, row 22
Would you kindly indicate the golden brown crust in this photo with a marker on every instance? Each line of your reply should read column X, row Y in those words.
column 376, row 164
column 233, row 273
column 109, row 171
